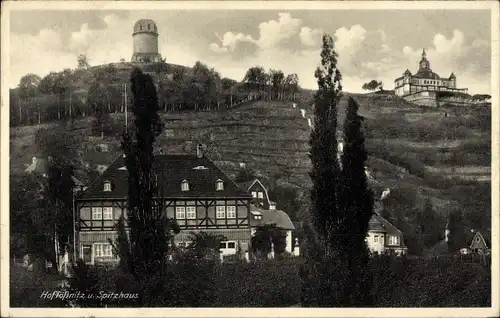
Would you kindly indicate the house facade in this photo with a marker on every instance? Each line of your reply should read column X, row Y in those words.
column 384, row 237
column 263, row 211
column 196, row 193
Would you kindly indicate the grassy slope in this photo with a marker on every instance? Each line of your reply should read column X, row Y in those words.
column 271, row 137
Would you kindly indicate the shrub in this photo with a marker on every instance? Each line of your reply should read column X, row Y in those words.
column 27, row 287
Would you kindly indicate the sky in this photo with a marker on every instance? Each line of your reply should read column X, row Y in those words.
column 371, row 44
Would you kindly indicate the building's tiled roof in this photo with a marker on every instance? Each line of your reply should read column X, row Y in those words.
column 98, row 157
column 245, row 185
column 485, row 235
column 378, row 223
column 424, row 73
column 278, row 217
column 171, row 171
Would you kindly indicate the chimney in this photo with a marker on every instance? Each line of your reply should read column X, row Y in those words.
column 199, row 151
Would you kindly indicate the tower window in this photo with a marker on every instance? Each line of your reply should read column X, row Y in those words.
column 184, row 185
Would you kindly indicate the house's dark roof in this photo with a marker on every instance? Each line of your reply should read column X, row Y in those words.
column 426, row 73
column 98, row 157
column 278, row 217
column 378, row 223
column 171, row 171
column 77, row 182
column 486, row 237
column 245, row 185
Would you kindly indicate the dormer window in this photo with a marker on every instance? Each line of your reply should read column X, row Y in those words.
column 219, row 185
column 184, row 185
column 107, row 186
column 200, row 168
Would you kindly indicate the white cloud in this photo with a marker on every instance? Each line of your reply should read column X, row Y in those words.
column 310, row 37
column 35, row 54
column 350, row 39
column 273, row 32
column 214, row 47
column 229, row 41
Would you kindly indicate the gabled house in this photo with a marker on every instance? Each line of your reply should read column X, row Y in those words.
column 263, row 211
column 260, row 217
column 260, row 197
column 384, row 237
column 480, row 244
column 195, row 192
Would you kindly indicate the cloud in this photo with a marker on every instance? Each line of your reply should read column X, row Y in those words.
column 34, row 54
column 350, row 39
column 275, row 31
column 229, row 41
column 310, row 37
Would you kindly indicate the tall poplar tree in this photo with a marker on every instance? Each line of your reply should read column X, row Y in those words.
column 335, row 273
column 358, row 205
column 323, row 142
column 150, row 230
column 320, row 287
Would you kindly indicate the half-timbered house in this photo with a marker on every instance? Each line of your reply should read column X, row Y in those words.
column 196, row 193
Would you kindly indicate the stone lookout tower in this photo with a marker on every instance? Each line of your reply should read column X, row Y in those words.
column 145, row 42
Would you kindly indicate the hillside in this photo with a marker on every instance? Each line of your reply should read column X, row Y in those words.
column 419, row 153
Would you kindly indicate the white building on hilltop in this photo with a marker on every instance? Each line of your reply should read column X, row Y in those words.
column 422, row 87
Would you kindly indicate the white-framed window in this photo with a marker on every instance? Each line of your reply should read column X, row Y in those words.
column 228, row 245
column 254, row 194
column 103, row 250
column 261, row 195
column 180, row 212
column 107, row 186
column 184, row 185
column 219, row 185
column 231, row 212
column 107, row 213
column 393, row 240
column 272, row 206
column 96, row 213
column 220, row 212
column 190, row 212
